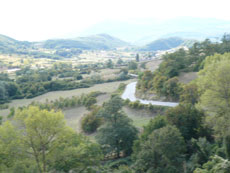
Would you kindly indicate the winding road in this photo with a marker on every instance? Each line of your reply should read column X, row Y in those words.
column 129, row 93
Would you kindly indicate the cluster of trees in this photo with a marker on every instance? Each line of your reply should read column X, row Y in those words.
column 40, row 141
column 43, row 143
column 164, row 80
column 30, row 83
column 194, row 136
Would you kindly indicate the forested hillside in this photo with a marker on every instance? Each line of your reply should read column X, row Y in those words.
column 192, row 137
column 98, row 42
column 164, row 44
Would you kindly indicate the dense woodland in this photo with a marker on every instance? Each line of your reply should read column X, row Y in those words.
column 193, row 137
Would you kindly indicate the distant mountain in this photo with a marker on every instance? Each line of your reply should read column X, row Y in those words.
column 102, row 40
column 11, row 45
column 166, row 44
column 99, row 41
column 143, row 31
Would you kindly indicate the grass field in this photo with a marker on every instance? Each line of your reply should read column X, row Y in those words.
column 73, row 115
column 105, row 87
column 139, row 117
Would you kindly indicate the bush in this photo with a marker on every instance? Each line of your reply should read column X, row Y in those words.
column 90, row 122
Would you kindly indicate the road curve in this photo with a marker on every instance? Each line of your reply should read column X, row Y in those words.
column 129, row 93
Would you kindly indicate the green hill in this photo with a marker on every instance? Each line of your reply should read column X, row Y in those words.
column 100, row 41
column 166, row 43
column 10, row 45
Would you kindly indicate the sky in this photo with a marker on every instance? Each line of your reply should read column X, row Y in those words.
column 36, row 20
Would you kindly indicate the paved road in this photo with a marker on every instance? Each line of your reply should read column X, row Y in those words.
column 129, row 93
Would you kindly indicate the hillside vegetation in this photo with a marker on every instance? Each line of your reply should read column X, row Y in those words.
column 192, row 137
column 164, row 44
column 98, row 42
column 164, row 81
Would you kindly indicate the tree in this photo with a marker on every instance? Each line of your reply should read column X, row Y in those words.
column 187, row 119
column 90, row 122
column 11, row 148
column 214, row 80
column 158, row 83
column 3, row 92
column 145, row 80
column 118, row 134
column 132, row 65
column 214, row 83
column 154, row 124
column 76, row 153
column 201, row 151
column 137, row 57
column 172, row 89
column 190, row 94
column 119, row 61
column 109, row 64
column 89, row 102
column 45, row 135
column 215, row 165
column 162, row 152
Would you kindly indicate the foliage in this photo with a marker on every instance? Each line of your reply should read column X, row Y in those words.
column 118, row 134
column 214, row 82
column 90, row 122
column 154, row 124
column 42, row 141
column 137, row 57
column 215, row 165
column 187, row 119
column 86, row 100
column 172, row 89
column 162, row 152
column 132, row 65
column 30, row 83
column 200, row 150
column 109, row 63
column 190, row 94
column 182, row 61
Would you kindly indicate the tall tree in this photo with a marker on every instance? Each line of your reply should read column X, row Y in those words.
column 187, row 119
column 118, row 134
column 45, row 135
column 214, row 83
column 162, row 152
column 137, row 57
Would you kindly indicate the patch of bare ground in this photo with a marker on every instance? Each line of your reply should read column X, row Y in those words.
column 153, row 64
column 187, row 77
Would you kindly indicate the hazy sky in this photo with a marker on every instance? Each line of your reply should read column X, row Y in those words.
column 41, row 19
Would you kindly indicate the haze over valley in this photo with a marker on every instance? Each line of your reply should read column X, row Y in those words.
column 114, row 86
